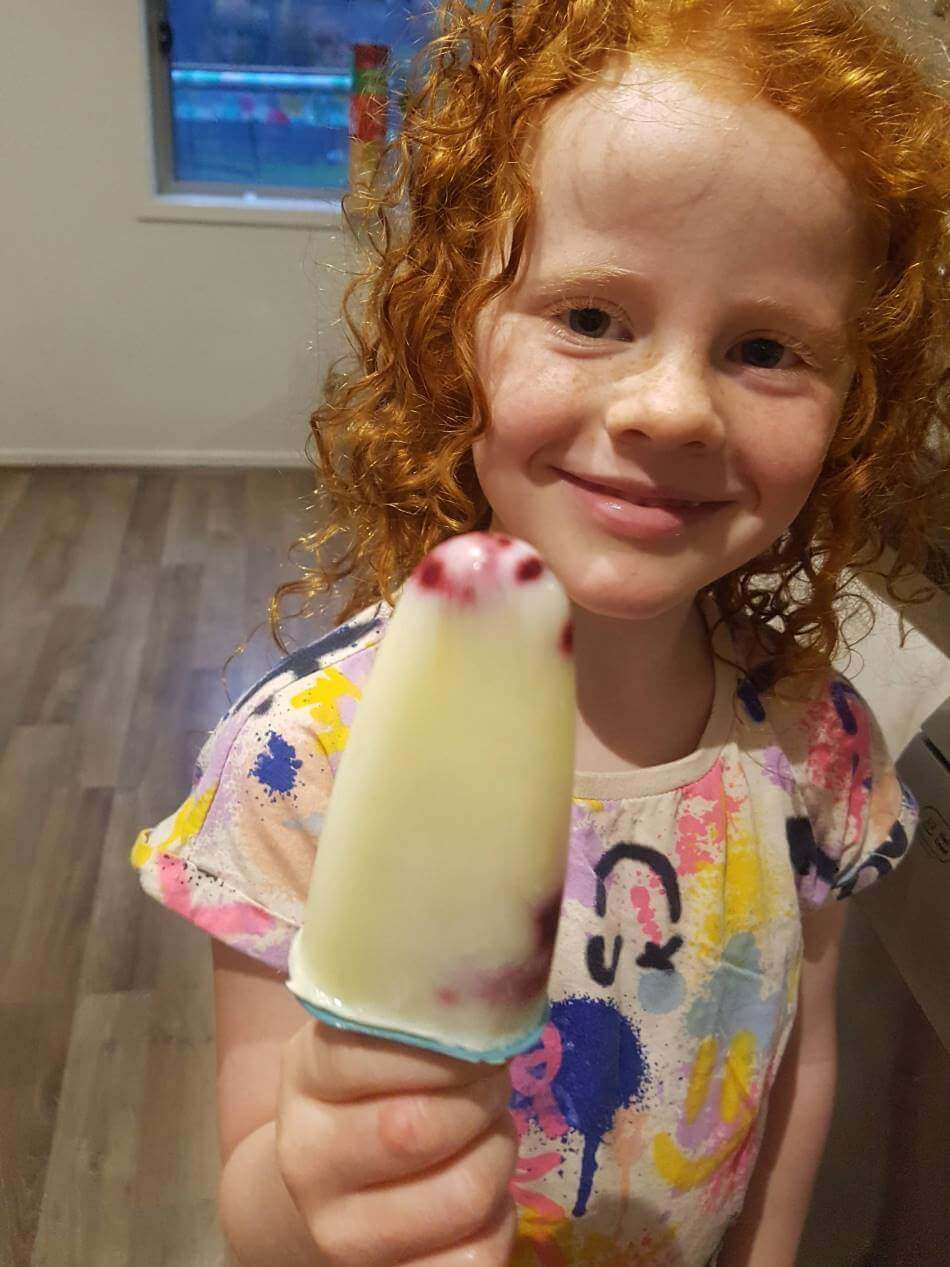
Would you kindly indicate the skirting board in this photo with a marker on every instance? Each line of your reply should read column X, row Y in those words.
column 238, row 458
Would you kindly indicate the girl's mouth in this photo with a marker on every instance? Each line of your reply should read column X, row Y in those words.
column 629, row 514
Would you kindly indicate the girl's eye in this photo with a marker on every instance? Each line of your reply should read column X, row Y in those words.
column 767, row 354
column 591, row 322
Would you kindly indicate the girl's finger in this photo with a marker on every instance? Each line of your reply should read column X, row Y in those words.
column 430, row 1213
column 339, row 1065
column 390, row 1138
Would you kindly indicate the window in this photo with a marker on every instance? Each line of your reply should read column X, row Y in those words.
column 255, row 96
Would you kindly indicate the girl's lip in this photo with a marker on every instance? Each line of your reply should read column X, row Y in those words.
column 620, row 515
column 637, row 498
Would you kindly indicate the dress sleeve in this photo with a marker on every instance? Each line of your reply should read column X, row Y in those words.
column 860, row 817
column 235, row 857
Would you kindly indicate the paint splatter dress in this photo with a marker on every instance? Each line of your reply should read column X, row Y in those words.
column 679, row 949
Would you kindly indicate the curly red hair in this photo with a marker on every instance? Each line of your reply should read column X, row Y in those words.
column 394, row 435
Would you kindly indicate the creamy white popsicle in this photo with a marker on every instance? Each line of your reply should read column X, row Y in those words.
column 436, row 888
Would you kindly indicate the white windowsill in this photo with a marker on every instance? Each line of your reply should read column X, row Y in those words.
column 285, row 213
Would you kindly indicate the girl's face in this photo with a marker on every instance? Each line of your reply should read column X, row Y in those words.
column 676, row 333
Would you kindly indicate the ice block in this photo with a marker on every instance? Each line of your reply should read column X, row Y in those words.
column 436, row 888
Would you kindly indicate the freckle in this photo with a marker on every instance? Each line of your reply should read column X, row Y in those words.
column 529, row 569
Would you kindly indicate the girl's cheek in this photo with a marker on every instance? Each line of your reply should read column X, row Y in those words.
column 788, row 450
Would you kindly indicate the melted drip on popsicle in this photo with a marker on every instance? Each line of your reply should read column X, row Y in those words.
column 463, row 569
column 529, row 570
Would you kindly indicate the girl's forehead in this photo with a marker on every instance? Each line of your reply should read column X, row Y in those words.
column 650, row 145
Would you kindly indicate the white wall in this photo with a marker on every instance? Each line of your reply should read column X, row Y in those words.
column 125, row 341
column 131, row 341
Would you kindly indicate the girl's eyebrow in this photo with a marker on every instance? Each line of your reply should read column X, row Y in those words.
column 595, row 275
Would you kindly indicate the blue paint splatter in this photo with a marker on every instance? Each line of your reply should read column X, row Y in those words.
column 276, row 767
column 839, row 697
column 602, row 1069
column 660, row 992
column 732, row 998
column 752, row 687
column 750, row 698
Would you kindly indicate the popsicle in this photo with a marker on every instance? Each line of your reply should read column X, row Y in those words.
column 436, row 888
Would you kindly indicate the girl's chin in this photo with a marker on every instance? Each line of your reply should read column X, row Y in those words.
column 644, row 605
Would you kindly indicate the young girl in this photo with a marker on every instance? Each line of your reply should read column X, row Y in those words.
column 660, row 289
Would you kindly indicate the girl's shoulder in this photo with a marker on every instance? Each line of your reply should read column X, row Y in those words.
column 235, row 856
column 849, row 817
column 361, row 633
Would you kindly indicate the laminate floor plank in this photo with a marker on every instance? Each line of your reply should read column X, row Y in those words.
column 34, row 1038
column 162, row 687
column 25, row 634
column 66, row 496
column 221, row 592
column 13, row 486
column 56, row 899
column 123, row 593
column 97, row 550
column 31, row 763
column 86, row 1214
column 109, row 697
column 187, row 524
column 125, row 932
column 29, row 519
column 60, row 665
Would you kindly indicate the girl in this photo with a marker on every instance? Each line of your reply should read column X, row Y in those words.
column 659, row 288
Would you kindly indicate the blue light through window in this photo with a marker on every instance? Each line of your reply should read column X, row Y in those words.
column 260, row 89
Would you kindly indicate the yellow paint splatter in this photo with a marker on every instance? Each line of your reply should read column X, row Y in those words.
column 683, row 1172
column 742, row 886
column 737, row 1076
column 533, row 1229
column 588, row 803
column 186, row 823
column 571, row 1244
column 322, row 698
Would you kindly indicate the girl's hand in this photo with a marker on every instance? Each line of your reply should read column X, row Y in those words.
column 396, row 1155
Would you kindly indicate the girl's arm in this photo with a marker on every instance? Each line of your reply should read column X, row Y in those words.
column 768, row 1230
column 255, row 1015
column 339, row 1148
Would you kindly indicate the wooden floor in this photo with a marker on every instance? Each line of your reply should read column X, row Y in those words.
column 122, row 594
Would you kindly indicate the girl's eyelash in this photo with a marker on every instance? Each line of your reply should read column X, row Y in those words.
column 604, row 305
column 575, row 304
column 790, row 344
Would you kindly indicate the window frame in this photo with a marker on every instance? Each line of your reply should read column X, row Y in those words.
column 209, row 202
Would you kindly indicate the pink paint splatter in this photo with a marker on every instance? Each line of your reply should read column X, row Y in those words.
column 700, row 834
column 224, row 922
column 532, row 1074
column 529, row 1170
column 644, row 912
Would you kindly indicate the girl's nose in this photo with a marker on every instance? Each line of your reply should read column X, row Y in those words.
column 669, row 403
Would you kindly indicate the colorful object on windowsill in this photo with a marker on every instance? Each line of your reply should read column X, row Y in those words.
column 369, row 103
